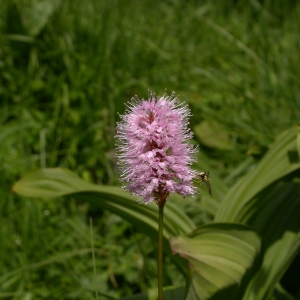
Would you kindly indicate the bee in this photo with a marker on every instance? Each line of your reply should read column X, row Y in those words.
column 204, row 177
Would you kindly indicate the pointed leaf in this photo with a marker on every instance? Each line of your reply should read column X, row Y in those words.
column 275, row 215
column 49, row 183
column 280, row 160
column 219, row 255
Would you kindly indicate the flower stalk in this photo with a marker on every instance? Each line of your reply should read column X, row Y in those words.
column 154, row 155
column 160, row 251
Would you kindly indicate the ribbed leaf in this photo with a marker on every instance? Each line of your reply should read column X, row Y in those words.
column 275, row 215
column 219, row 255
column 281, row 159
column 272, row 209
column 49, row 183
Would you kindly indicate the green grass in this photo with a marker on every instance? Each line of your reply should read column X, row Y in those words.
column 65, row 76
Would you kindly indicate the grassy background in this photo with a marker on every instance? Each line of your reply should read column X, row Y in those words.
column 66, row 70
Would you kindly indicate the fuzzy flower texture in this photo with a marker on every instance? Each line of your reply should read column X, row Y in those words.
column 152, row 150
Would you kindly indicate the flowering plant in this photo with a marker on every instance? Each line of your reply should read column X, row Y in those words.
column 154, row 156
column 226, row 260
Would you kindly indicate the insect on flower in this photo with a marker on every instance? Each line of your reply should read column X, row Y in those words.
column 204, row 177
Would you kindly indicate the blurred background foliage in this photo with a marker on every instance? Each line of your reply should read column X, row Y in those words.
column 66, row 70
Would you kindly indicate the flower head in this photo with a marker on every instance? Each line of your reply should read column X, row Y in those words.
column 152, row 149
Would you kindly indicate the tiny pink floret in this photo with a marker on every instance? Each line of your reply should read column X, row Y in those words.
column 152, row 149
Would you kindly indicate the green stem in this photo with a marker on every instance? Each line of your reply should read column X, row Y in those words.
column 160, row 252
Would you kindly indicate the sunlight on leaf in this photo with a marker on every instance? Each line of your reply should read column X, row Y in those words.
column 219, row 255
column 50, row 183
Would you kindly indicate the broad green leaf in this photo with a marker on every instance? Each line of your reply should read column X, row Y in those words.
column 272, row 209
column 50, row 183
column 280, row 160
column 274, row 214
column 219, row 255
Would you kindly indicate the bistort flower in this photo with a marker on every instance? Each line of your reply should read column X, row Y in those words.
column 152, row 150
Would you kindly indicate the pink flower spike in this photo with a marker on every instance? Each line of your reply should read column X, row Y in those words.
column 152, row 150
